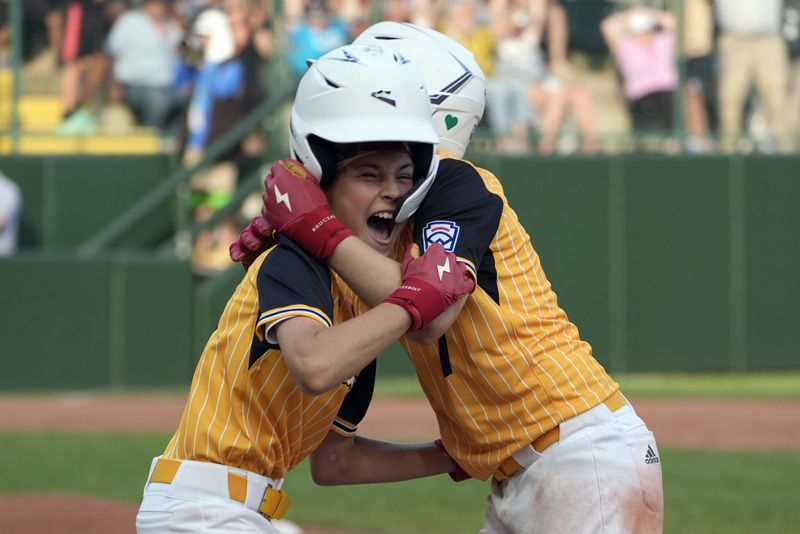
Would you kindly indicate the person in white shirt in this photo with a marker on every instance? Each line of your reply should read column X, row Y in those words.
column 10, row 211
column 144, row 45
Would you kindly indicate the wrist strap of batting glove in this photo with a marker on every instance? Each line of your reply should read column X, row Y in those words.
column 421, row 299
column 318, row 232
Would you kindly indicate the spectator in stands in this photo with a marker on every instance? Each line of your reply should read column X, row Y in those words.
column 319, row 31
column 5, row 32
column 144, row 44
column 354, row 13
column 215, row 78
column 188, row 10
column 642, row 41
column 10, row 211
column 254, row 45
column 397, row 10
column 83, row 26
column 700, row 88
column 791, row 32
column 226, row 85
column 211, row 72
column 523, row 88
column 517, row 62
column 552, row 95
column 752, row 52
column 465, row 22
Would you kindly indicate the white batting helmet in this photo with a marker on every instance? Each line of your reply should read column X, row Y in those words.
column 455, row 81
column 363, row 93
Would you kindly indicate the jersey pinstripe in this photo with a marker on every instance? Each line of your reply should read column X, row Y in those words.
column 244, row 408
column 512, row 366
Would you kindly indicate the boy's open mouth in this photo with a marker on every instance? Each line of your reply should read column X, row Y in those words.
column 380, row 227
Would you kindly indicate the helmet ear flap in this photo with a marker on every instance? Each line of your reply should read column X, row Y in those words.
column 421, row 156
column 325, row 152
column 429, row 163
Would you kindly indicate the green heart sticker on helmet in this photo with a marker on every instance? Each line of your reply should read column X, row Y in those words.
column 450, row 121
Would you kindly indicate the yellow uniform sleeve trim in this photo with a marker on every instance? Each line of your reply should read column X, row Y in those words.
column 270, row 318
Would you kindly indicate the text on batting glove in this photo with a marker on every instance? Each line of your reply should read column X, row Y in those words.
column 296, row 206
column 430, row 284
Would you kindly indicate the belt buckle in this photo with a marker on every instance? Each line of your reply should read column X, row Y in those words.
column 275, row 503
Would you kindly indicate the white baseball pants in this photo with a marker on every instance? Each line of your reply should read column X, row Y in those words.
column 602, row 476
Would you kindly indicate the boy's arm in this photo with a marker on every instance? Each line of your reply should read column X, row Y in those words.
column 358, row 460
column 370, row 274
column 321, row 358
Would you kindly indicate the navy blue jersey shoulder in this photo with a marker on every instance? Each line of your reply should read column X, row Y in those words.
column 463, row 215
column 289, row 276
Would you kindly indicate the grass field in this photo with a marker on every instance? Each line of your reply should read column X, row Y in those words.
column 706, row 491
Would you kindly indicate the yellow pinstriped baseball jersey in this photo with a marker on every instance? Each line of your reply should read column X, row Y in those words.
column 244, row 408
column 512, row 366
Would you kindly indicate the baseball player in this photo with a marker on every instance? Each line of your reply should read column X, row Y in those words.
column 516, row 391
column 290, row 360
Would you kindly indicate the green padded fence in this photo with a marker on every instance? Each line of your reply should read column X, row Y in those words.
column 669, row 263
column 117, row 320
column 664, row 263
column 67, row 198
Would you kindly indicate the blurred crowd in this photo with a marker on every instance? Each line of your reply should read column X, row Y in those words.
column 563, row 76
column 694, row 75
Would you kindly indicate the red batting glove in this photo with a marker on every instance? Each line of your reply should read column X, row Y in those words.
column 431, row 283
column 296, row 206
column 256, row 237
column 458, row 474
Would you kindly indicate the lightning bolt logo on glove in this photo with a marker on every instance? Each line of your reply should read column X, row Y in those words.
column 282, row 198
column 444, row 268
column 307, row 219
column 423, row 297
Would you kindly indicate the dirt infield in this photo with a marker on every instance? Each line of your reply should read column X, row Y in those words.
column 717, row 424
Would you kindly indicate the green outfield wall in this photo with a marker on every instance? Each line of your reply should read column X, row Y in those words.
column 669, row 263
column 664, row 263
column 118, row 320
column 67, row 198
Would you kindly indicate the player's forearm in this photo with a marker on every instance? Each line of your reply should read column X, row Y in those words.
column 330, row 356
column 362, row 460
column 437, row 328
column 371, row 275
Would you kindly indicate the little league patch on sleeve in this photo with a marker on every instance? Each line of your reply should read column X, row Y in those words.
column 443, row 232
